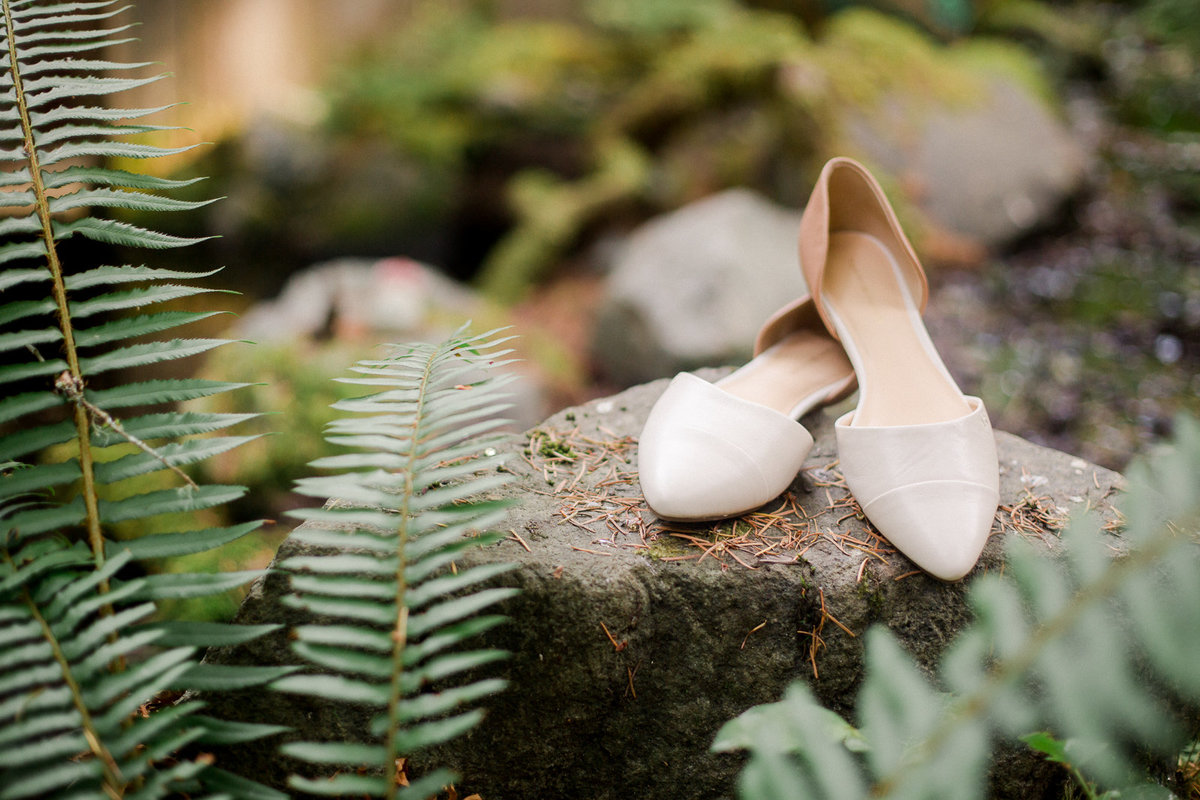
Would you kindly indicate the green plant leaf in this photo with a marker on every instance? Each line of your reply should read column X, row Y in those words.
column 143, row 325
column 1087, row 643
column 39, row 478
column 15, row 277
column 120, row 233
column 28, row 338
column 336, row 753
column 183, row 543
column 224, row 677
column 143, row 355
column 398, row 514
column 52, row 90
column 154, row 392
column 344, row 785
column 108, row 198
column 178, row 633
column 182, row 585
column 62, row 701
column 225, row 732
column 104, row 176
column 167, row 501
column 1044, row 743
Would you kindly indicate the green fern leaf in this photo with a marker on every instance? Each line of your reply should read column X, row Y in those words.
column 14, row 277
column 66, row 132
column 183, row 585
column 38, row 478
column 98, row 198
column 1086, row 645
column 130, row 299
column 392, row 529
column 19, row 405
column 70, row 113
column 231, row 785
column 24, row 339
column 183, row 543
column 19, row 251
column 155, row 392
column 143, row 325
column 91, row 684
column 28, row 523
column 23, row 309
column 66, row 720
column 178, row 633
column 108, row 275
column 167, row 501
column 53, row 15
column 22, row 443
column 121, row 233
column 223, row 677
column 86, row 149
column 104, row 176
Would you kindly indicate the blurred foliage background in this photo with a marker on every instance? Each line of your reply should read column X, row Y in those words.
column 510, row 143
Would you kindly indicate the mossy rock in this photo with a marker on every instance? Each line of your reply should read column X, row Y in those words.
column 633, row 640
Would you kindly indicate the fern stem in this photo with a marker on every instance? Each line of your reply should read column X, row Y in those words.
column 977, row 703
column 400, row 634
column 42, row 205
column 113, row 783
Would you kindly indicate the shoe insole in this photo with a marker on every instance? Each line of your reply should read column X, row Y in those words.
column 901, row 378
column 792, row 376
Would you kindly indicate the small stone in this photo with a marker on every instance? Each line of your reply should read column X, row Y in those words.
column 1034, row 481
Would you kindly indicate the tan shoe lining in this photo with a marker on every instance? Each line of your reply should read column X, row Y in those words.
column 902, row 380
column 794, row 375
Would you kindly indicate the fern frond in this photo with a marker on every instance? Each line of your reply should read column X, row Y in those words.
column 403, row 508
column 61, row 327
column 44, row 69
column 1098, row 648
column 66, row 720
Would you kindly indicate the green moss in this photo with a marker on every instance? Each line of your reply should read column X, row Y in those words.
column 549, row 445
column 661, row 547
column 1006, row 60
column 872, row 596
column 652, row 106
column 1071, row 30
column 638, row 17
column 551, row 212
column 866, row 54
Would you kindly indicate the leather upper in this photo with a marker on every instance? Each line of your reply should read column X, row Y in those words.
column 847, row 197
column 931, row 490
column 706, row 454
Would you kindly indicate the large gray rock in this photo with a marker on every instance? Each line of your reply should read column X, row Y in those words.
column 986, row 171
column 634, row 641
column 692, row 287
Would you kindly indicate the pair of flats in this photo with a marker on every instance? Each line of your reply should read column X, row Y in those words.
column 917, row 454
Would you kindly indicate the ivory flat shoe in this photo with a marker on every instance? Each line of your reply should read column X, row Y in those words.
column 917, row 454
column 715, row 450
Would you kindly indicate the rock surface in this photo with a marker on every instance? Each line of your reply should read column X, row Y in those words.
column 985, row 172
column 692, row 287
column 634, row 641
